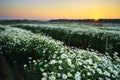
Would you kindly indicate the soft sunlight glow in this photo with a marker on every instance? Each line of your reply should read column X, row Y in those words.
column 55, row 9
column 96, row 20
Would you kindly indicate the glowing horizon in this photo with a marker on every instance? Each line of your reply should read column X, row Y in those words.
column 59, row 9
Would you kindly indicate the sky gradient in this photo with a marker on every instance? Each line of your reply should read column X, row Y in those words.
column 55, row 9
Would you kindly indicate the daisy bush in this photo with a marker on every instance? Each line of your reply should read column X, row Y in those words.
column 44, row 58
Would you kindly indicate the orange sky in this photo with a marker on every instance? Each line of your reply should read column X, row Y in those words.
column 52, row 9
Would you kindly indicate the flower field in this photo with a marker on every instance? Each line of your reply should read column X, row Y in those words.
column 102, row 39
column 44, row 58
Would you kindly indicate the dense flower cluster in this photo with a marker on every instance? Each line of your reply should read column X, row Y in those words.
column 46, row 59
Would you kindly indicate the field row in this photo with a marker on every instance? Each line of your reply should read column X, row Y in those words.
column 46, row 59
column 80, row 36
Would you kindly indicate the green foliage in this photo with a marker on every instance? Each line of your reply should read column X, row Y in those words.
column 46, row 59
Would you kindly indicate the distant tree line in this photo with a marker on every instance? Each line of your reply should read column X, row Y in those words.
column 20, row 21
column 87, row 20
column 60, row 20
